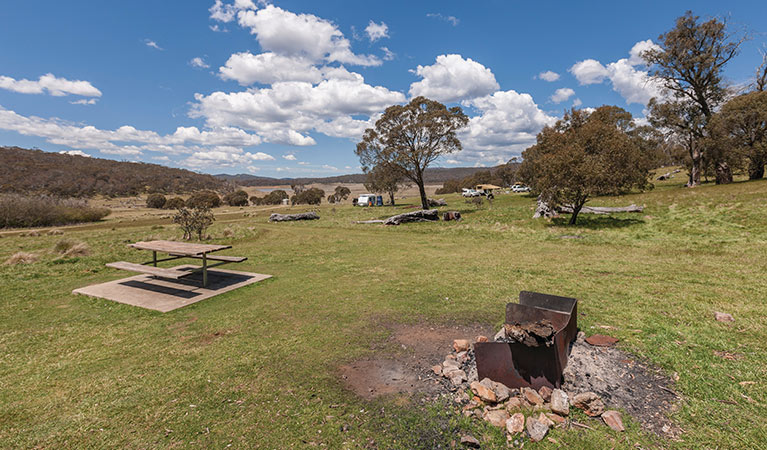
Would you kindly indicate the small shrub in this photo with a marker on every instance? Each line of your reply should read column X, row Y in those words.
column 312, row 196
column 256, row 201
column 79, row 249
column 275, row 197
column 175, row 203
column 21, row 258
column 204, row 199
column 64, row 245
column 194, row 222
column 156, row 201
column 236, row 198
column 55, row 232
column 228, row 232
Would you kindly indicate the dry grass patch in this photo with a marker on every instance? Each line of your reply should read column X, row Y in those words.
column 69, row 248
column 21, row 258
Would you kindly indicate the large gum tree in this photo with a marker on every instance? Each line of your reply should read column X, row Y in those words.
column 411, row 137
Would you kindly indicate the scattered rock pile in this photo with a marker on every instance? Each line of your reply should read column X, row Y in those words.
column 526, row 411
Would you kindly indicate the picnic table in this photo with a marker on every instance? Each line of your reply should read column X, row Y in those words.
column 178, row 250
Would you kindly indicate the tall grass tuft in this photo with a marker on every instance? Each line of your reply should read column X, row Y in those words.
column 21, row 211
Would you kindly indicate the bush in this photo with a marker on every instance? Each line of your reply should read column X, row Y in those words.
column 175, row 203
column 275, row 197
column 21, row 258
column 194, row 221
column 69, row 249
column 156, row 201
column 311, row 196
column 236, row 198
column 204, row 199
column 255, row 201
column 41, row 211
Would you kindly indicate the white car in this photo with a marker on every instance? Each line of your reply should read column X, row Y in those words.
column 366, row 200
column 520, row 188
column 470, row 193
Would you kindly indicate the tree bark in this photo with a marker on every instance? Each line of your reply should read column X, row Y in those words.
column 427, row 215
column 391, row 197
column 422, row 191
column 576, row 210
column 756, row 168
column 288, row 217
column 602, row 209
column 723, row 173
column 695, row 169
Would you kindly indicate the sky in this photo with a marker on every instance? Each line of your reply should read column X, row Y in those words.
column 286, row 88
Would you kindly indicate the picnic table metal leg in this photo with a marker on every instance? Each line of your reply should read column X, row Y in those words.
column 154, row 258
column 204, row 270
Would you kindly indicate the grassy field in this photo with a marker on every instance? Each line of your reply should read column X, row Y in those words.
column 258, row 367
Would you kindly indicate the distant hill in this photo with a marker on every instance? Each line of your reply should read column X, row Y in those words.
column 431, row 176
column 36, row 171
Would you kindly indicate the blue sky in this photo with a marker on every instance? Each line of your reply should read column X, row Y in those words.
column 286, row 88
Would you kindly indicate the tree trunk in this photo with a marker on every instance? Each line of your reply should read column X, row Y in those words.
column 576, row 210
column 602, row 209
column 723, row 173
column 695, row 169
column 756, row 168
column 422, row 191
column 391, row 197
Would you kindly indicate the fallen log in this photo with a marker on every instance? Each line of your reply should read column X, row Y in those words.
column 370, row 221
column 602, row 209
column 451, row 215
column 439, row 202
column 288, row 217
column 425, row 215
column 544, row 209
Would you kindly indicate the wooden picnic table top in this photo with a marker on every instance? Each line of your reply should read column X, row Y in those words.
column 179, row 248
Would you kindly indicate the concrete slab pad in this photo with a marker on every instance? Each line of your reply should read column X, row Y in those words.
column 146, row 291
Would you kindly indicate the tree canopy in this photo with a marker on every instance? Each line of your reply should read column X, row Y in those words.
column 740, row 127
column 384, row 178
column 411, row 137
column 688, row 64
column 585, row 155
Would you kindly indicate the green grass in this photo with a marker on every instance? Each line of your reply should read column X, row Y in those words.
column 258, row 367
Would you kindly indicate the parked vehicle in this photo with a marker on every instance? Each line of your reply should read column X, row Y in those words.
column 470, row 193
column 366, row 200
column 520, row 188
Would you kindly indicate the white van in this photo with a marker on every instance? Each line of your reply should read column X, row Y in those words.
column 366, row 200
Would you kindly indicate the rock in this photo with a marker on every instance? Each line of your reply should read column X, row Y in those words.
column 500, row 390
column 457, row 377
column 580, row 337
column 473, row 376
column 545, row 393
column 496, row 417
column 483, row 392
column 469, row 441
column 500, row 335
column 449, row 364
column 613, row 420
column 532, row 396
column 516, row 403
column 560, row 403
column 556, row 418
column 481, row 338
column 544, row 419
column 536, row 430
column 461, row 397
column 516, row 424
column 437, row 369
column 601, row 340
column 723, row 317
column 590, row 403
column 462, row 357
column 461, row 345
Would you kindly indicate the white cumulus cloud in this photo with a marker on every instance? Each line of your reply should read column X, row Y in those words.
column 289, row 157
column 452, row 78
column 75, row 153
column 562, row 94
column 303, row 35
column 376, row 31
column 50, row 84
column 199, row 63
column 549, row 76
column 267, row 68
column 507, row 124
column 633, row 84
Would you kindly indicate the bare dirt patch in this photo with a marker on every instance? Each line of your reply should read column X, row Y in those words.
column 406, row 359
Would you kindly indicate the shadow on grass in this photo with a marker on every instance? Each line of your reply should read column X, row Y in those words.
column 595, row 222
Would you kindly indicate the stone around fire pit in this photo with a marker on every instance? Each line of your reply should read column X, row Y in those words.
column 590, row 403
column 532, row 334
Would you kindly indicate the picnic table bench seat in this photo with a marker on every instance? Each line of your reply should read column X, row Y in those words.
column 150, row 270
column 231, row 259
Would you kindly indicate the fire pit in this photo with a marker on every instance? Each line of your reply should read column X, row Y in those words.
column 533, row 347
